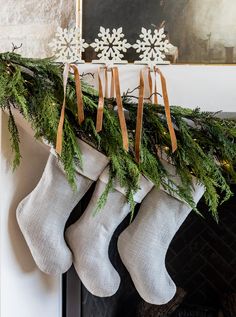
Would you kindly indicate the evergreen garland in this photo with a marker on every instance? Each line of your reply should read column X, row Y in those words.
column 206, row 143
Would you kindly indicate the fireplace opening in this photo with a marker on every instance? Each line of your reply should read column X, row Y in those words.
column 201, row 260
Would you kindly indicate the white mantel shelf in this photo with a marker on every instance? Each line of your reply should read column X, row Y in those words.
column 210, row 87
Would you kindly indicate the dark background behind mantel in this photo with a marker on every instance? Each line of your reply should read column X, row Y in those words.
column 201, row 260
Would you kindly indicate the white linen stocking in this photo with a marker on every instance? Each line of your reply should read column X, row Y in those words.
column 90, row 236
column 42, row 215
column 144, row 243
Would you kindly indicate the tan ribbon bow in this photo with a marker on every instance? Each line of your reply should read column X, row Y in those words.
column 121, row 114
column 80, row 107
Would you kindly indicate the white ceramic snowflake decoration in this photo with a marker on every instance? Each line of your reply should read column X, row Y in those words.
column 110, row 46
column 153, row 46
column 68, row 45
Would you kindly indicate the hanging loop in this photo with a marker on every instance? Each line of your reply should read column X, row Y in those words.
column 167, row 110
column 100, row 101
column 80, row 107
column 121, row 114
column 139, row 120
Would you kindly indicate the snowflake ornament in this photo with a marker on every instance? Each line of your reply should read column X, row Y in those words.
column 110, row 46
column 153, row 47
column 68, row 45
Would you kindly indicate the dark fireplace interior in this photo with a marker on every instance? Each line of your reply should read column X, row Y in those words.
column 201, row 260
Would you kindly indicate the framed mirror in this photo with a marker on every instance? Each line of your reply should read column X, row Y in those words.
column 202, row 32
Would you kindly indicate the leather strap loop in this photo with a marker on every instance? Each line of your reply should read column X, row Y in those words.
column 106, row 81
column 155, row 89
column 100, row 104
column 62, row 117
column 121, row 114
column 112, row 92
column 80, row 107
column 167, row 111
column 139, row 120
column 150, row 83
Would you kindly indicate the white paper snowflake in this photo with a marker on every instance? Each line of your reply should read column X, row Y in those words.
column 153, row 46
column 110, row 46
column 68, row 45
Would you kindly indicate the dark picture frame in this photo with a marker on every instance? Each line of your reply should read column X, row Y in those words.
column 202, row 34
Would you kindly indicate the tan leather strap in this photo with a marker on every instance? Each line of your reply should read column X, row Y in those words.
column 62, row 117
column 167, row 111
column 121, row 114
column 139, row 120
column 106, row 82
column 150, row 83
column 112, row 92
column 80, row 107
column 100, row 103
column 155, row 89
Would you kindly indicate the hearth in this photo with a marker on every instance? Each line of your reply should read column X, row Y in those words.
column 201, row 260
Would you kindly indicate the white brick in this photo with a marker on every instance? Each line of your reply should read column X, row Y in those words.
column 33, row 23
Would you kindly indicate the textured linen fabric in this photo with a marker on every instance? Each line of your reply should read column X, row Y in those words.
column 90, row 236
column 42, row 215
column 144, row 243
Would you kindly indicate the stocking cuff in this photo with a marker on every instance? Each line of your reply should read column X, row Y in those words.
column 145, row 186
column 93, row 161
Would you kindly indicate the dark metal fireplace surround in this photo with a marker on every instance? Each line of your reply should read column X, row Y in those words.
column 201, row 260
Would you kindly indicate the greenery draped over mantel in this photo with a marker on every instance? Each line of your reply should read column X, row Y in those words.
column 206, row 143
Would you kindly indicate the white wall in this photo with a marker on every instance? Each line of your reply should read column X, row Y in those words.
column 25, row 291
column 33, row 23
